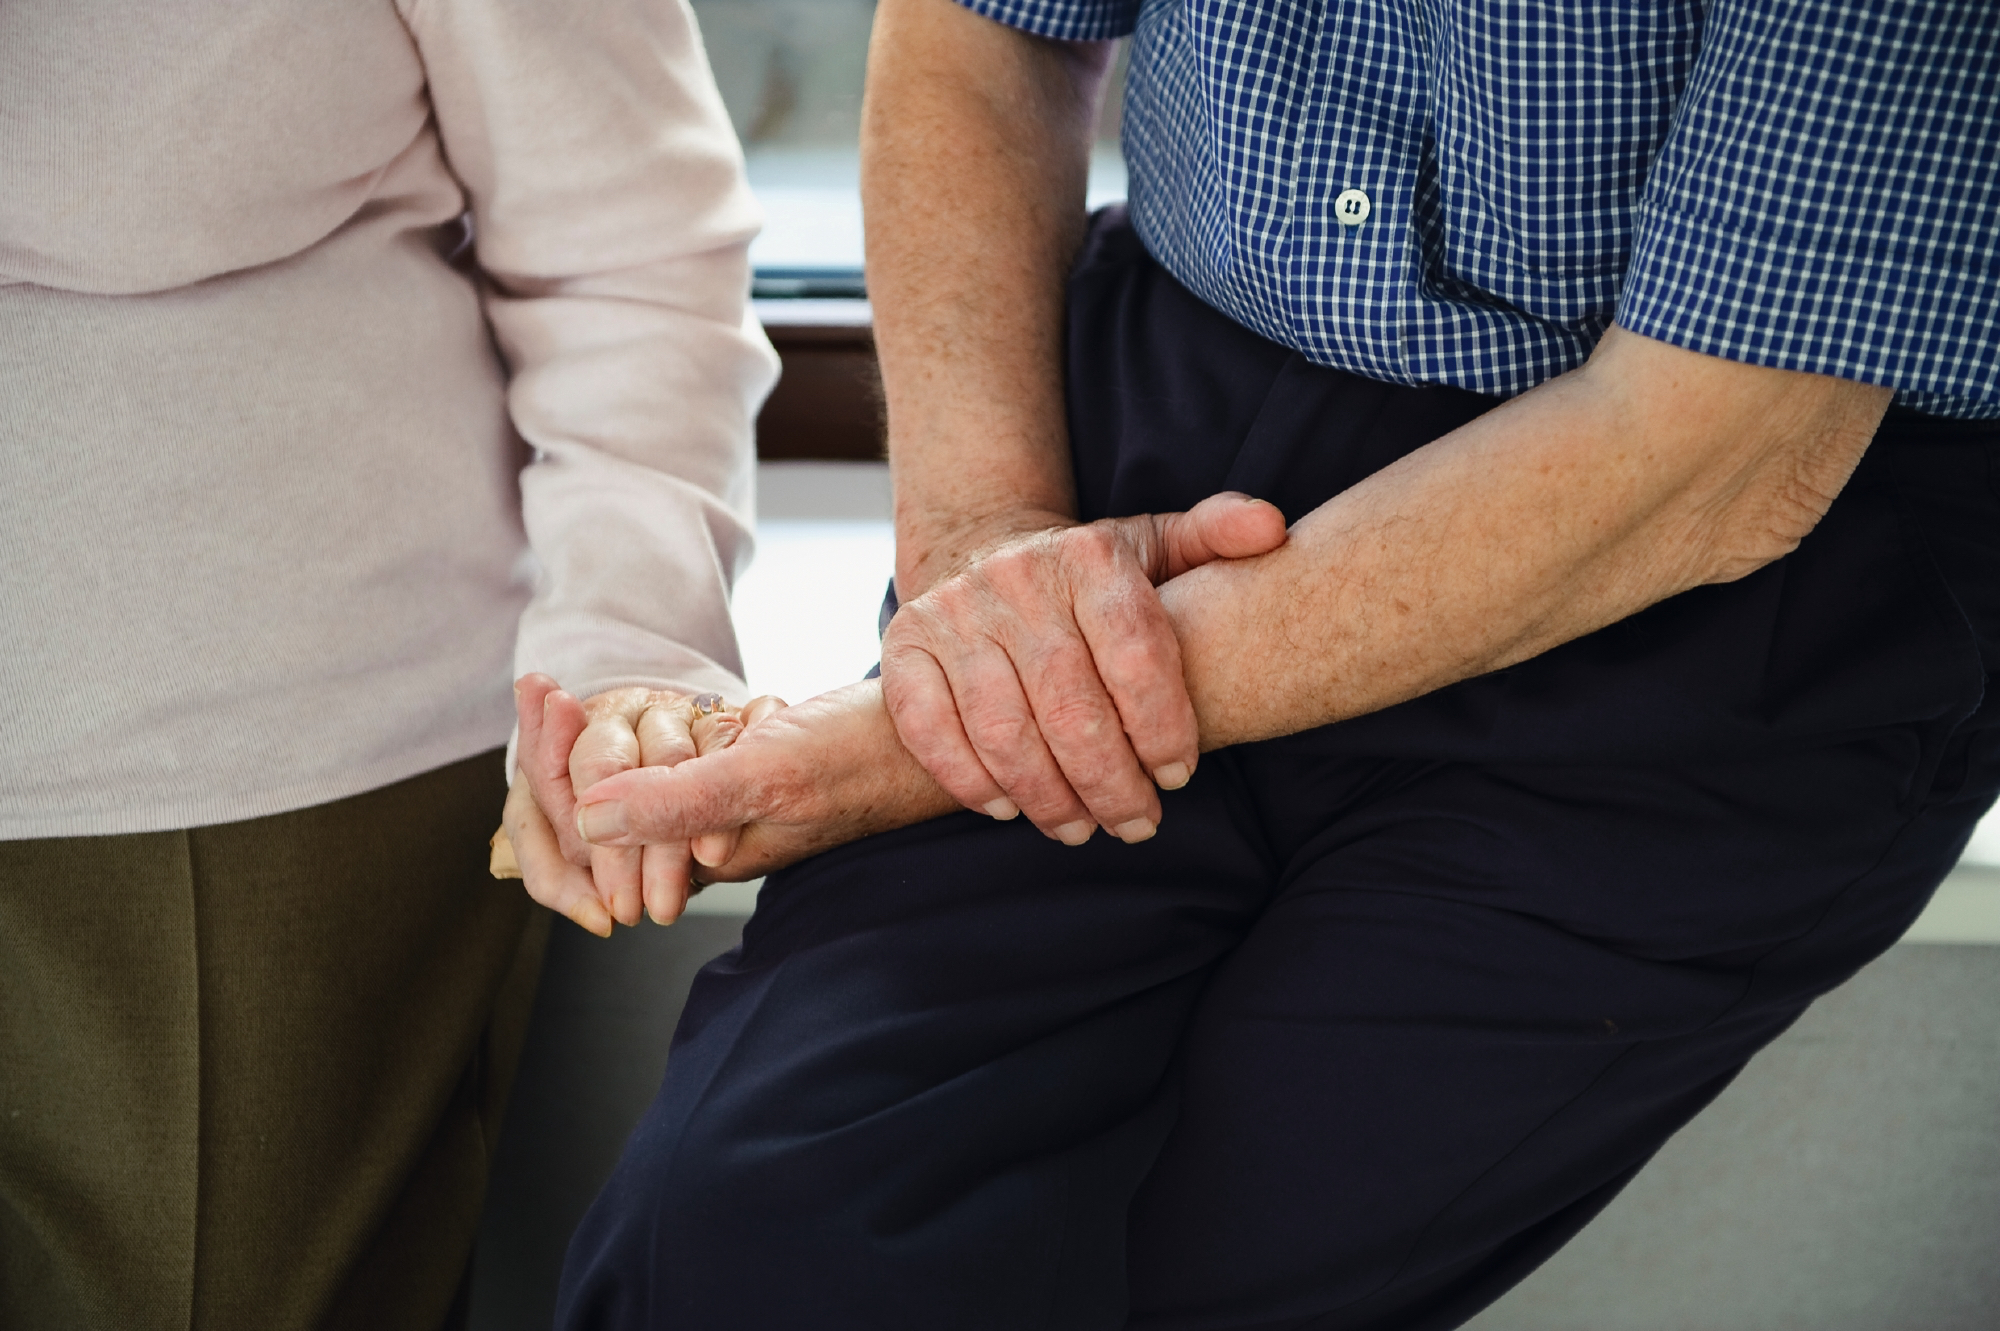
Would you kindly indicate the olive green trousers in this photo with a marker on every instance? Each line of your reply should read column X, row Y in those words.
column 251, row 1075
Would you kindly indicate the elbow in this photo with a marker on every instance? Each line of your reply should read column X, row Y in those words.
column 1766, row 527
column 1735, row 564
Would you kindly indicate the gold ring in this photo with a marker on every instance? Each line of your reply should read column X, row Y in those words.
column 707, row 704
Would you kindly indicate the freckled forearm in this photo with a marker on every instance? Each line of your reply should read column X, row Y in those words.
column 1568, row 509
column 975, row 149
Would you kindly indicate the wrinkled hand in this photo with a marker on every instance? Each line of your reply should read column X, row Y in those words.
column 797, row 781
column 1045, row 678
column 565, row 748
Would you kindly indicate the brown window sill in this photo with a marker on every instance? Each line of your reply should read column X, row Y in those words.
column 828, row 404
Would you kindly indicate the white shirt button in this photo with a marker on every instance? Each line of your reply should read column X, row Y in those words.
column 1352, row 207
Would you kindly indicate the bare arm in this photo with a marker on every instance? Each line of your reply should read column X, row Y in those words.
column 1649, row 471
column 975, row 144
column 1035, row 669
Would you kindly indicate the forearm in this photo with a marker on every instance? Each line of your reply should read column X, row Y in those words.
column 613, row 240
column 1648, row 472
column 975, row 150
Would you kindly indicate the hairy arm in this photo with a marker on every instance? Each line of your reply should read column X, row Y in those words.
column 1034, row 669
column 1646, row 472
column 975, row 145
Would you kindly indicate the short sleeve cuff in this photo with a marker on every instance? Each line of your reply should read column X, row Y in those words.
column 1063, row 20
column 1823, row 201
column 1921, row 328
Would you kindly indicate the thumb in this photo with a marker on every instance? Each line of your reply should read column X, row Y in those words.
column 1229, row 525
column 651, row 805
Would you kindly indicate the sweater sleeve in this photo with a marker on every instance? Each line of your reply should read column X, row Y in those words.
column 612, row 224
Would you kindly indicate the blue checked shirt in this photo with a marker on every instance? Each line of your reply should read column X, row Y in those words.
column 1808, row 184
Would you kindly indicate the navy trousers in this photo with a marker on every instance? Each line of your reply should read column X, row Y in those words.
column 1387, row 1011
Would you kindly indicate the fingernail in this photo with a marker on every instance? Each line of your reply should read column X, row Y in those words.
column 1139, row 829
column 592, row 918
column 710, row 851
column 1002, row 808
column 1076, row 833
column 1172, row 776
column 601, row 822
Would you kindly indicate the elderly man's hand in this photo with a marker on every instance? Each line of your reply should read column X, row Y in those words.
column 798, row 780
column 565, row 748
column 1045, row 678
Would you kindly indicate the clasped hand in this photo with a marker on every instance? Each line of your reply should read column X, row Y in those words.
column 565, row 748
column 641, row 807
column 1044, row 677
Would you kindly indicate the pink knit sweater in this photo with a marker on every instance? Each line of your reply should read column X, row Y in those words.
column 266, row 535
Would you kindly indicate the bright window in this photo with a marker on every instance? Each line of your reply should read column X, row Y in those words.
column 791, row 74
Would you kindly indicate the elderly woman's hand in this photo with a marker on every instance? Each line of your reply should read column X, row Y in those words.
column 565, row 748
column 798, row 780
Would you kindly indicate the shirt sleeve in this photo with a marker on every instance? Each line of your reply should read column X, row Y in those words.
column 1824, row 200
column 1064, row 20
column 612, row 223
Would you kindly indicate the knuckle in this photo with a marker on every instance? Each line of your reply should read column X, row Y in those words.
column 948, row 596
column 918, row 708
column 1013, row 555
column 1142, row 656
column 1076, row 719
column 614, row 703
column 1096, row 543
column 902, row 672
column 937, row 622
column 1111, row 785
column 932, row 747
column 1130, row 604
column 999, row 728
column 711, row 734
column 1017, row 571
column 603, row 751
column 1007, row 576
column 1102, row 773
